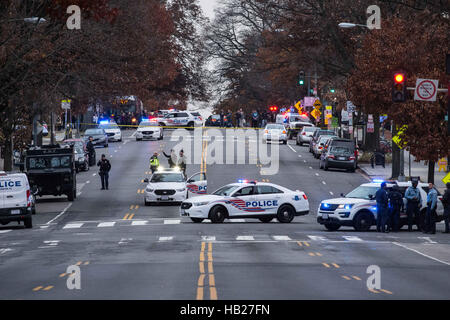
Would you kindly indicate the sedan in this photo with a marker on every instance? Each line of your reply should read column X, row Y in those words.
column 305, row 135
column 275, row 131
column 99, row 137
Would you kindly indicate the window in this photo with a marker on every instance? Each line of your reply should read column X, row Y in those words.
column 198, row 177
column 167, row 177
column 182, row 115
column 267, row 190
column 362, row 192
column 246, row 191
column 225, row 191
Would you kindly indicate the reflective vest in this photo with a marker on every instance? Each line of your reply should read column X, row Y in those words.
column 154, row 162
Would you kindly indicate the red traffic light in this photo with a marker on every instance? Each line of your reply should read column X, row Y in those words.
column 273, row 108
column 399, row 77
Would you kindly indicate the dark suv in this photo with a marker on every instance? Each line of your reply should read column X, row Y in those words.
column 339, row 153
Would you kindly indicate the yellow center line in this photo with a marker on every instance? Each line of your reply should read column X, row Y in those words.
column 210, row 258
column 299, row 243
column 62, row 275
column 210, row 267
column 311, row 254
column 201, row 267
column 200, row 293
column 78, row 263
column 126, row 216
column 38, row 288
column 213, row 293
column 132, row 207
column 48, row 288
column 212, row 280
column 136, row 207
column 386, row 291
column 201, row 280
column 356, row 278
column 86, row 263
column 346, row 278
column 131, row 216
column 373, row 291
column 306, row 243
column 336, row 265
column 326, row 265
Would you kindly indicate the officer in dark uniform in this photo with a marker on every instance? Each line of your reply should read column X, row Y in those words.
column 91, row 150
column 382, row 208
column 396, row 204
column 413, row 205
column 446, row 202
column 105, row 167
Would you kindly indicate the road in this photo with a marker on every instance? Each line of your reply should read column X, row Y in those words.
column 128, row 251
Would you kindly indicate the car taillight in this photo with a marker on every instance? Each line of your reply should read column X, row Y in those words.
column 352, row 158
column 320, row 148
column 330, row 156
column 305, row 197
column 266, row 131
column 304, row 133
column 28, row 198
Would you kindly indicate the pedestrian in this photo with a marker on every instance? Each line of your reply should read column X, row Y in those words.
column 105, row 167
column 242, row 123
column 238, row 119
column 182, row 161
column 172, row 158
column 91, row 151
column 395, row 206
column 414, row 200
column 255, row 119
column 446, row 203
column 222, row 116
column 430, row 218
column 382, row 208
column 154, row 162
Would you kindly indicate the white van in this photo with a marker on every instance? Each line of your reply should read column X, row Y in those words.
column 16, row 200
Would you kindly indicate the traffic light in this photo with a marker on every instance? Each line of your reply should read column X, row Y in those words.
column 399, row 91
column 332, row 90
column 273, row 108
column 301, row 80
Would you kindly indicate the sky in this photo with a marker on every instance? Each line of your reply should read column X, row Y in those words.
column 208, row 7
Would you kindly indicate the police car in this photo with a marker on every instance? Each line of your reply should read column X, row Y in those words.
column 17, row 202
column 171, row 186
column 181, row 119
column 245, row 199
column 358, row 209
column 112, row 130
column 149, row 129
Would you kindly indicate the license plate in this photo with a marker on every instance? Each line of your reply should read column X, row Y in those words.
column 15, row 211
column 164, row 198
column 341, row 158
column 325, row 216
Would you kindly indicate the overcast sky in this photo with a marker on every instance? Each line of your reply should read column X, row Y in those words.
column 208, row 7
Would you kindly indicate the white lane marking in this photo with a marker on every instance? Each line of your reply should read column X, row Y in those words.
column 323, row 182
column 87, row 182
column 62, row 212
column 5, row 250
column 115, row 150
column 281, row 238
column 245, row 238
column 208, row 238
column 44, row 227
column 304, row 161
column 428, row 239
column 237, row 220
column 125, row 240
column 73, row 226
column 317, row 174
column 106, row 224
column 139, row 223
column 94, row 174
column 317, row 238
column 134, row 134
column 299, row 155
column 332, row 193
column 5, row 231
column 165, row 238
column 352, row 238
column 52, row 242
column 292, row 148
column 172, row 221
column 422, row 254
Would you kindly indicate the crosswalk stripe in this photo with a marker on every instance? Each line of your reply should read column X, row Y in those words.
column 245, row 238
column 165, row 238
column 106, row 224
column 281, row 238
column 172, row 221
column 352, row 238
column 317, row 238
column 139, row 223
column 237, row 220
column 73, row 226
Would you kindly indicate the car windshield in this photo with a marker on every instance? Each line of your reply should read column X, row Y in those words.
column 167, row 177
column 91, row 132
column 275, row 126
column 195, row 114
column 324, row 139
column 309, row 129
column 216, row 116
column 49, row 162
column 340, row 150
column 148, row 124
column 363, row 192
column 78, row 150
column 109, row 126
column 225, row 191
column 325, row 133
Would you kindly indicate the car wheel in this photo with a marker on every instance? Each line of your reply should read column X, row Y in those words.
column 296, row 142
column 363, row 221
column 146, row 203
column 106, row 145
column 28, row 222
column 218, row 214
column 191, row 125
column 71, row 196
column 325, row 166
column 332, row 227
column 285, row 142
column 197, row 220
column 285, row 214
column 266, row 219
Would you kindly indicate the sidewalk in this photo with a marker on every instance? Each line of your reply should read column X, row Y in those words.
column 418, row 169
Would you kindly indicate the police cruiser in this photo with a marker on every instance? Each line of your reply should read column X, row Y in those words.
column 149, row 129
column 112, row 130
column 171, row 186
column 245, row 199
column 358, row 209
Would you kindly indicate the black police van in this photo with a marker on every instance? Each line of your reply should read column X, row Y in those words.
column 51, row 171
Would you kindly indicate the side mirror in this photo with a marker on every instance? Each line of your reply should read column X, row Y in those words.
column 146, row 180
column 190, row 181
column 34, row 190
column 371, row 197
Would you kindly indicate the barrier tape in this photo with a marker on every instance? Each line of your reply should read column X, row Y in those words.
column 173, row 127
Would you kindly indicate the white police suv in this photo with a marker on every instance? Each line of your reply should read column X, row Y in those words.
column 112, row 130
column 17, row 202
column 358, row 209
column 181, row 119
column 170, row 185
column 263, row 201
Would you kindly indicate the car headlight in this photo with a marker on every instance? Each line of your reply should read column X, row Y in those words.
column 81, row 159
column 181, row 190
column 345, row 206
column 149, row 189
column 199, row 204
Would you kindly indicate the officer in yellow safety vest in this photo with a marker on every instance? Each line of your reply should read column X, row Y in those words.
column 154, row 162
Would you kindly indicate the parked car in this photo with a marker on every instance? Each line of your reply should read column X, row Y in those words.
column 305, row 135
column 319, row 147
column 99, row 137
column 317, row 134
column 213, row 121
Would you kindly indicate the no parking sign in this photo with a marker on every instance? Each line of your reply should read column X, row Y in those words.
column 426, row 90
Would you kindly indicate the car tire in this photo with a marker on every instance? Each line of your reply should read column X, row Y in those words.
column 197, row 220
column 325, row 166
column 28, row 222
column 191, row 125
column 71, row 196
column 286, row 214
column 217, row 214
column 138, row 139
column 296, row 142
column 363, row 221
column 266, row 219
column 332, row 227
column 285, row 142
column 106, row 145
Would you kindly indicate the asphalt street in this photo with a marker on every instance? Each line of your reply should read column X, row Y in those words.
column 126, row 250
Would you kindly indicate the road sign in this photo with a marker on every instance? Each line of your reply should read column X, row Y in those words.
column 350, row 107
column 316, row 113
column 442, row 164
column 317, row 104
column 426, row 90
column 65, row 104
column 397, row 139
column 446, row 179
column 309, row 101
column 299, row 107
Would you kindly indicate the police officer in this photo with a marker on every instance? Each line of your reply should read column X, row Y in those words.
column 382, row 208
column 154, row 162
column 105, row 167
column 414, row 201
column 91, row 150
column 171, row 158
column 396, row 204
column 430, row 218
column 446, row 202
column 182, row 162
